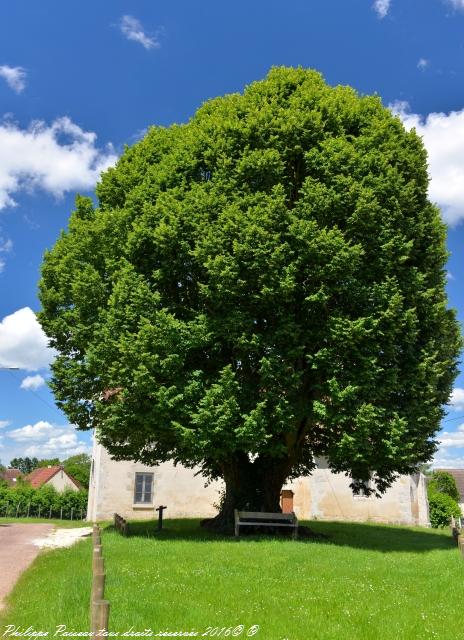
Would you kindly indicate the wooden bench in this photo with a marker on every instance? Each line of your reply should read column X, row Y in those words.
column 264, row 519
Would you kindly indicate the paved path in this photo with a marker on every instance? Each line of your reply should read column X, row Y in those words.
column 17, row 552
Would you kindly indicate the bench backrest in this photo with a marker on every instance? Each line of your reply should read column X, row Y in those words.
column 263, row 515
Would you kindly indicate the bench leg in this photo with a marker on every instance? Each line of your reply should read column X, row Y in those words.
column 237, row 532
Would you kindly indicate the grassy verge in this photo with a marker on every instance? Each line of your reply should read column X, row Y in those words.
column 54, row 521
column 364, row 582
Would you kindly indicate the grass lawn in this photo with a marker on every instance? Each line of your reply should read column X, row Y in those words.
column 55, row 521
column 364, row 582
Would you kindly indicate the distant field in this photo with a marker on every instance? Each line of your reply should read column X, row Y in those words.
column 364, row 582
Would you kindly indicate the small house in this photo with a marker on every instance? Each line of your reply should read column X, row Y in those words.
column 11, row 476
column 52, row 476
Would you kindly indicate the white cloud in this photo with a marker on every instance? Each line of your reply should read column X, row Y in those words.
column 5, row 247
column 46, row 440
column 133, row 30
column 4, row 423
column 448, row 462
column 443, row 137
column 452, row 439
column 456, row 400
column 60, row 447
column 381, row 7
column 422, row 64
column 56, row 158
column 33, row 382
column 23, row 343
column 15, row 77
column 39, row 431
column 450, row 452
column 457, row 4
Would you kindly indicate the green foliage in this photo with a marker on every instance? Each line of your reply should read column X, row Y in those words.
column 45, row 501
column 25, row 465
column 50, row 462
column 265, row 284
column 441, row 508
column 78, row 467
column 443, row 482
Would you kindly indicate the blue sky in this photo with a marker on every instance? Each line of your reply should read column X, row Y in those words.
column 79, row 80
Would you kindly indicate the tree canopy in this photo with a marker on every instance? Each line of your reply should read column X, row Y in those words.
column 78, row 467
column 262, row 285
column 25, row 465
column 444, row 482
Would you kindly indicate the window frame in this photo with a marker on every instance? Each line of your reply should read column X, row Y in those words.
column 367, row 484
column 143, row 491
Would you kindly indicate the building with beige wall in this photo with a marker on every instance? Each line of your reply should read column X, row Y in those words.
column 134, row 490
column 52, row 476
column 328, row 496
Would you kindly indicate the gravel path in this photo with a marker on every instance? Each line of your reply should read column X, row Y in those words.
column 17, row 551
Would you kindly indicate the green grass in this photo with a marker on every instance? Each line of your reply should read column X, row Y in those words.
column 55, row 521
column 364, row 582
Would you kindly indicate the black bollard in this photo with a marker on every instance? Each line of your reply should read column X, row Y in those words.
column 160, row 510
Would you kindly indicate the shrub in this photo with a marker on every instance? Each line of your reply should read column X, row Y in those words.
column 442, row 507
column 45, row 501
column 443, row 482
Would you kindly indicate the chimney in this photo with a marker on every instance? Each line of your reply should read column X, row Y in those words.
column 287, row 500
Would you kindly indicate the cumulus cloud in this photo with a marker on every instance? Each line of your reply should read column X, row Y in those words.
column 133, row 29
column 23, row 343
column 443, row 136
column 452, row 439
column 450, row 452
column 60, row 447
column 381, row 7
column 4, row 423
column 456, row 400
column 46, row 440
column 55, row 158
column 15, row 77
column 33, row 382
column 422, row 64
column 39, row 431
column 448, row 462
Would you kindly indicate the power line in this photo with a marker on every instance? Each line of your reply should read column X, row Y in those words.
column 452, row 419
column 37, row 395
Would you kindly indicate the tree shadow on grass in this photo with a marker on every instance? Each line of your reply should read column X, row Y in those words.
column 369, row 536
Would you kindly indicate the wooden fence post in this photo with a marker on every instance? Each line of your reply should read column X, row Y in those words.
column 101, row 614
column 99, row 608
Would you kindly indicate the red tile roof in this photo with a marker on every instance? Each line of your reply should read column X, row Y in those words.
column 11, row 475
column 42, row 475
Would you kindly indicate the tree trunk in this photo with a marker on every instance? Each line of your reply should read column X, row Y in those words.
column 249, row 487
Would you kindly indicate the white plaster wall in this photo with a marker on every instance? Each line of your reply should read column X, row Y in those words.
column 324, row 495
column 328, row 496
column 112, row 490
column 60, row 481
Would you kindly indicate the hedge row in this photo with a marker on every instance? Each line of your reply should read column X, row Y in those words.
column 46, row 502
